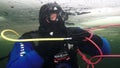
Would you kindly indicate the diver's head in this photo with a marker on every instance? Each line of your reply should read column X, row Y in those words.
column 51, row 14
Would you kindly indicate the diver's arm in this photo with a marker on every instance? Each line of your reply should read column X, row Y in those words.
column 89, row 48
column 78, row 39
column 24, row 56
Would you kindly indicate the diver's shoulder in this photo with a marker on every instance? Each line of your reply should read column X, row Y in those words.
column 30, row 34
column 74, row 29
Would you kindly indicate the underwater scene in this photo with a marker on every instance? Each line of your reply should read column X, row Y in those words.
column 102, row 17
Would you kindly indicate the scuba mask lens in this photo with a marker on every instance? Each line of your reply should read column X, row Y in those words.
column 55, row 16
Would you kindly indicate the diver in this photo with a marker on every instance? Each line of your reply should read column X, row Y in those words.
column 54, row 54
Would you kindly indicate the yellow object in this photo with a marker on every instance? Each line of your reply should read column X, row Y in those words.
column 26, row 40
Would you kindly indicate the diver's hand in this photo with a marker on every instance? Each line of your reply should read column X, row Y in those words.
column 80, row 37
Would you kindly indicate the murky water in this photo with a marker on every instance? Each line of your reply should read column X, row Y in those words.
column 20, row 17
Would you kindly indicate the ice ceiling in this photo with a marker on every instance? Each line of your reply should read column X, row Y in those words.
column 82, row 11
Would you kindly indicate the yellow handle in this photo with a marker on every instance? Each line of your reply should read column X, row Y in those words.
column 26, row 40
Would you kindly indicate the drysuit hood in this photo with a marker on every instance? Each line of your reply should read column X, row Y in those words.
column 46, row 25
